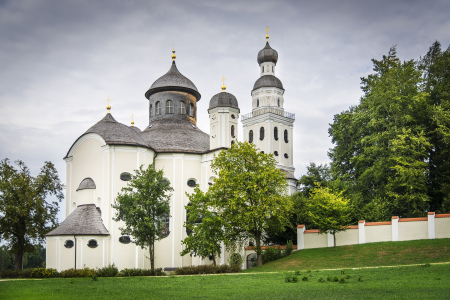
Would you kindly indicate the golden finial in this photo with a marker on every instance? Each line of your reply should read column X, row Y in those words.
column 223, row 84
column 132, row 121
column 109, row 106
column 267, row 33
column 173, row 53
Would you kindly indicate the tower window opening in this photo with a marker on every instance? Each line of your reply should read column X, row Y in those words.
column 182, row 108
column 157, row 108
column 250, row 136
column 261, row 133
column 275, row 133
column 151, row 112
column 191, row 110
column 257, row 102
column 286, row 155
column 169, row 107
column 286, row 140
column 272, row 68
column 278, row 101
column 232, row 131
column 276, row 153
column 262, row 69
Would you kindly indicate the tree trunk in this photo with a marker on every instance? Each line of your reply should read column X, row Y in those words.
column 258, row 250
column 152, row 257
column 18, row 260
column 334, row 238
column 214, row 259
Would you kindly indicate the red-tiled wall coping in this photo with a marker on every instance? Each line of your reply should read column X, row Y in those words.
column 442, row 215
column 431, row 213
column 300, row 226
column 312, row 231
column 412, row 219
column 395, row 217
column 264, row 247
column 361, row 221
column 378, row 223
column 352, row 227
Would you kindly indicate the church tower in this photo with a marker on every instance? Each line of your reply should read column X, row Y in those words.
column 269, row 126
column 223, row 119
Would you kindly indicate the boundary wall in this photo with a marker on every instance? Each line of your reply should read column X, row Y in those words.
column 434, row 226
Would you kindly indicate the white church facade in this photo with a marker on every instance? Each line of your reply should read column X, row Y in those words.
column 102, row 160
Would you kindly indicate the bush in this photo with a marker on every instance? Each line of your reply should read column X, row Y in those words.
column 9, row 274
column 271, row 254
column 205, row 269
column 235, row 262
column 109, row 271
column 75, row 273
column 290, row 278
column 140, row 272
column 43, row 273
column 289, row 248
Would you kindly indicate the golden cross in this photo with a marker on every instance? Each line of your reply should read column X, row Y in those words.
column 108, row 100
column 267, row 29
column 132, row 115
column 223, row 80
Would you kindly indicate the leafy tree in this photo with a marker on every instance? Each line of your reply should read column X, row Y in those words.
column 25, row 215
column 143, row 205
column 315, row 174
column 248, row 194
column 205, row 226
column 328, row 211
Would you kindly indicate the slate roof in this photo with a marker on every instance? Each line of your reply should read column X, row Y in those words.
column 289, row 175
column 173, row 81
column 268, row 81
column 267, row 54
column 176, row 135
column 86, row 184
column 223, row 99
column 84, row 220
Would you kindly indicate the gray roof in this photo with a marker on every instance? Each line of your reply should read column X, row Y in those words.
column 267, row 54
column 289, row 175
column 86, row 184
column 176, row 135
column 268, row 81
column 173, row 81
column 84, row 220
column 223, row 99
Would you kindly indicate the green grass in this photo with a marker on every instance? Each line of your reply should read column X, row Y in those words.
column 365, row 255
column 424, row 281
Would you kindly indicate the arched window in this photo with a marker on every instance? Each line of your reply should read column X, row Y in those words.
column 250, row 136
column 191, row 110
column 182, row 108
column 261, row 133
column 275, row 133
column 286, row 140
column 165, row 226
column 257, row 102
column 272, row 68
column 151, row 112
column 157, row 108
column 232, row 131
column 169, row 107
column 278, row 101
column 262, row 69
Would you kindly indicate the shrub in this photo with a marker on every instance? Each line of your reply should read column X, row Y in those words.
column 305, row 278
column 342, row 280
column 205, row 269
column 72, row 273
column 109, row 271
column 321, row 280
column 271, row 254
column 141, row 272
column 290, row 278
column 235, row 262
column 9, row 274
column 42, row 273
column 289, row 248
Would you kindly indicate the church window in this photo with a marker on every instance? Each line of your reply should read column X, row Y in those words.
column 286, row 155
column 191, row 183
column 165, row 226
column 272, row 68
column 125, row 176
column 275, row 153
column 262, row 69
column 275, row 133
column 151, row 112
column 232, row 131
column 261, row 133
column 165, row 181
column 68, row 244
column 182, row 108
column 257, row 102
column 233, row 116
column 157, row 108
column 211, row 180
column 286, row 140
column 92, row 244
column 232, row 143
column 250, row 136
column 278, row 101
column 191, row 110
column 124, row 239
column 169, row 107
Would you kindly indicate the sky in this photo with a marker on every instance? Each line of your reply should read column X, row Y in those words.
column 60, row 61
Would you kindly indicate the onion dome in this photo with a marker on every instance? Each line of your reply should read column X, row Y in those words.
column 267, row 54
column 173, row 81
column 268, row 81
column 223, row 99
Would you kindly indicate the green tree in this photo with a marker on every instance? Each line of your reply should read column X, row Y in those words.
column 25, row 215
column 205, row 227
column 143, row 206
column 328, row 211
column 248, row 194
column 314, row 174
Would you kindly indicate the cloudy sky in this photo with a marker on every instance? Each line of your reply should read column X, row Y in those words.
column 60, row 60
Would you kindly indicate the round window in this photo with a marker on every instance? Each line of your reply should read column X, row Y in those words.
column 233, row 116
column 191, row 183
column 125, row 176
column 286, row 155
column 68, row 244
column 92, row 244
column 125, row 239
column 276, row 153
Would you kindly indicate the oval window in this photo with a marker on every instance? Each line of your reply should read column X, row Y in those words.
column 276, row 153
column 92, row 244
column 125, row 239
column 125, row 176
column 191, row 183
column 165, row 181
column 233, row 116
column 68, row 244
column 286, row 155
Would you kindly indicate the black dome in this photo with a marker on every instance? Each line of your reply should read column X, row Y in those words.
column 267, row 54
column 268, row 81
column 223, row 99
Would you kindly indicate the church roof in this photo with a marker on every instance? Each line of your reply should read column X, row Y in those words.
column 86, row 184
column 268, row 81
column 223, row 99
column 176, row 135
column 173, row 81
column 267, row 54
column 84, row 220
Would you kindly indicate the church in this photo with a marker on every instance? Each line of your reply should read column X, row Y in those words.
column 101, row 161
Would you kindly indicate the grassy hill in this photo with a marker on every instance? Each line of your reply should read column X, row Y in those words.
column 364, row 255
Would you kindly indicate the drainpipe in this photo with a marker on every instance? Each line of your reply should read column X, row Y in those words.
column 75, row 252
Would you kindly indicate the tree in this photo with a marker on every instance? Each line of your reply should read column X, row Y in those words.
column 248, row 194
column 143, row 205
column 25, row 215
column 328, row 211
column 205, row 227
